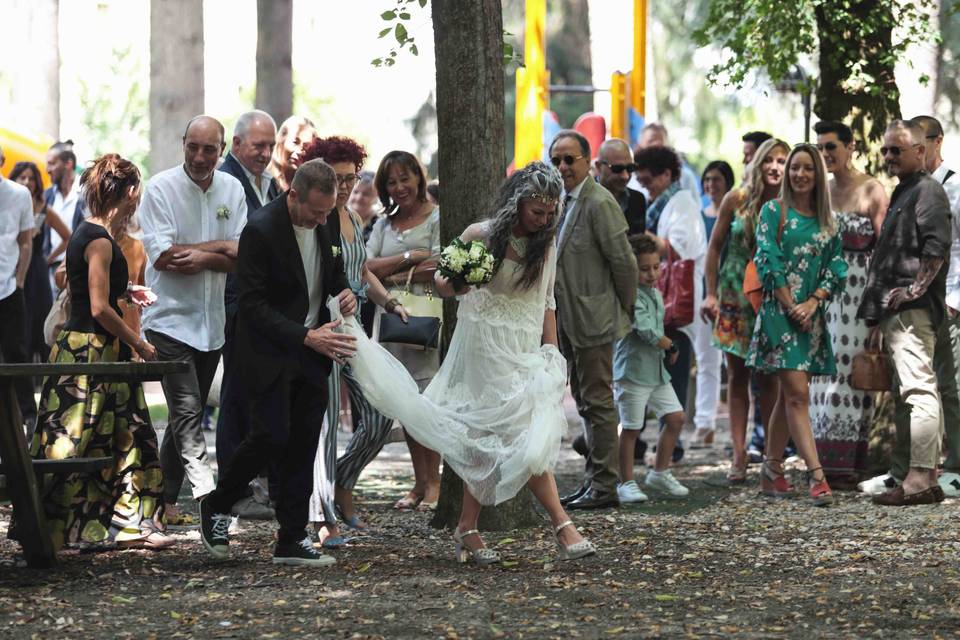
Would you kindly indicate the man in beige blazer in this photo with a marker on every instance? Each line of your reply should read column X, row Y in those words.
column 595, row 289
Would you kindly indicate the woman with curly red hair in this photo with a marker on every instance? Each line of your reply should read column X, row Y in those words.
column 335, row 478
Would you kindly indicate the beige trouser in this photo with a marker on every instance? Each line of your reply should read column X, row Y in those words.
column 910, row 338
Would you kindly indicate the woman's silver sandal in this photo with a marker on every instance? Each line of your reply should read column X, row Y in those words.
column 482, row 556
column 576, row 550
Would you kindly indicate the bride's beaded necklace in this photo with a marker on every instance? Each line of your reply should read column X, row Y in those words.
column 519, row 245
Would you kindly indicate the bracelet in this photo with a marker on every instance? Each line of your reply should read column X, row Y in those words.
column 390, row 305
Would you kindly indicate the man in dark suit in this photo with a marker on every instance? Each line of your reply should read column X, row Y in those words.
column 614, row 166
column 254, row 138
column 285, row 343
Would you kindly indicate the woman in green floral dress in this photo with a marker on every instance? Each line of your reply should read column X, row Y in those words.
column 800, row 263
column 82, row 416
column 727, row 306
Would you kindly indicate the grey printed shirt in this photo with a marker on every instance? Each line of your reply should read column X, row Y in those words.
column 917, row 225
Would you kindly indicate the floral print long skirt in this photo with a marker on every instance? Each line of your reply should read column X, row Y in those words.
column 83, row 417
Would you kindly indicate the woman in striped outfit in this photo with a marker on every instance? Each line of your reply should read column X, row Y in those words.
column 333, row 478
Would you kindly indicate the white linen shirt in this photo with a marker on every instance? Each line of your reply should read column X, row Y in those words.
column 16, row 216
column 175, row 211
column 682, row 226
column 264, row 187
column 65, row 207
column 952, row 187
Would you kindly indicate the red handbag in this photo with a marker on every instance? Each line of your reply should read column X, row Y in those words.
column 676, row 285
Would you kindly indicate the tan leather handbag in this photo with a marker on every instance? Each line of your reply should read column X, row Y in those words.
column 872, row 370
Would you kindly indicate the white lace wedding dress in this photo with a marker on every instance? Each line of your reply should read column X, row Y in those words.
column 494, row 409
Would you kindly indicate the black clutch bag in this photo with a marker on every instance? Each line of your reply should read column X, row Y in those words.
column 420, row 331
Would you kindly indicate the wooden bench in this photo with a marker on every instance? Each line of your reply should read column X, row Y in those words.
column 21, row 473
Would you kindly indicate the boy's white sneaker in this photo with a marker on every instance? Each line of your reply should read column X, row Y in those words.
column 665, row 482
column 950, row 483
column 629, row 492
column 878, row 484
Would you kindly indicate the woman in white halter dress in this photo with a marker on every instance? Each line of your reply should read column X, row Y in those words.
column 494, row 409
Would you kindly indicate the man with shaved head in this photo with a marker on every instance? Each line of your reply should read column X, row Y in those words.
column 614, row 166
column 191, row 216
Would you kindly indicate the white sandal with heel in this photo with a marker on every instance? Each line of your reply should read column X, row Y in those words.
column 481, row 556
column 573, row 551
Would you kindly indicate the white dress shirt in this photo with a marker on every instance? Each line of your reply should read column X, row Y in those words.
column 952, row 187
column 264, row 187
column 65, row 207
column 16, row 216
column 175, row 211
column 682, row 226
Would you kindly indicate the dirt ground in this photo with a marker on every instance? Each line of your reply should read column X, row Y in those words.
column 721, row 563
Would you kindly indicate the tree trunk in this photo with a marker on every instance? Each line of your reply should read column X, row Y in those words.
column 870, row 107
column 38, row 82
column 176, row 76
column 468, row 37
column 274, row 54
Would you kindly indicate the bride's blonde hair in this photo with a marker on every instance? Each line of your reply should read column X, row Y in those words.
column 539, row 181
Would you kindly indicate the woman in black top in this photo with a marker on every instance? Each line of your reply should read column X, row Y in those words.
column 81, row 416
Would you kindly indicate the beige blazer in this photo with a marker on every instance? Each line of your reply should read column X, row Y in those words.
column 596, row 284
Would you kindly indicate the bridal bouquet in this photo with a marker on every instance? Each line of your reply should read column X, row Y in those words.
column 466, row 263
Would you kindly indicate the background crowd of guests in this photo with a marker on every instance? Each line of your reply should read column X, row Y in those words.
column 839, row 262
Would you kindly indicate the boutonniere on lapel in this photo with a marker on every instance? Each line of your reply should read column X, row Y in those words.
column 336, row 251
column 223, row 212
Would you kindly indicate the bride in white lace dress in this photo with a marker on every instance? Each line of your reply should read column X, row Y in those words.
column 494, row 409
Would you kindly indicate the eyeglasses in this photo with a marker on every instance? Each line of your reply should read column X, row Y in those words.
column 829, row 146
column 896, row 151
column 567, row 160
column 348, row 179
column 620, row 168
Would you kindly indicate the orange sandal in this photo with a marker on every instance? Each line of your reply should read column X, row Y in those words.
column 774, row 483
column 819, row 490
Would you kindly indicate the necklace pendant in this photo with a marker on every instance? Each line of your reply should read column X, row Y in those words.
column 519, row 245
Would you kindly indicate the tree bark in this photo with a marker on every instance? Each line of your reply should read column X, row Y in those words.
column 176, row 76
column 468, row 37
column 274, row 55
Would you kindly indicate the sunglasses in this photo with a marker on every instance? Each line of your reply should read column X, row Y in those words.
column 567, row 160
column 620, row 168
column 896, row 151
column 829, row 146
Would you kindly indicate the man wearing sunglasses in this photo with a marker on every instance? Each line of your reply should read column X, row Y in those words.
column 904, row 303
column 596, row 286
column 614, row 166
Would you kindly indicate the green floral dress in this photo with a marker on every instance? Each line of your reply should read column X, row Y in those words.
column 734, row 326
column 806, row 259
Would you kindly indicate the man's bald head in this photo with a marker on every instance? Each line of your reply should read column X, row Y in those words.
column 614, row 154
column 205, row 124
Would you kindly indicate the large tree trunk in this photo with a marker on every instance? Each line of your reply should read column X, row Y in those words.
column 468, row 37
column 37, row 77
column 274, row 54
column 870, row 107
column 176, row 76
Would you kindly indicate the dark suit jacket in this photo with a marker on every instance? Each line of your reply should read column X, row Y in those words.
column 273, row 298
column 636, row 212
column 232, row 166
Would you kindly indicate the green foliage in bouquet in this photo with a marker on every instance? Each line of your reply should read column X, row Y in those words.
column 466, row 263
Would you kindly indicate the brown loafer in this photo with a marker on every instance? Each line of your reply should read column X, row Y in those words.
column 897, row 498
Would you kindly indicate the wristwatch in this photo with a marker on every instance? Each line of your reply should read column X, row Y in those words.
column 673, row 349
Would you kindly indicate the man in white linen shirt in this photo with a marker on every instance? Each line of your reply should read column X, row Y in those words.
column 65, row 197
column 947, row 355
column 191, row 216
column 16, row 238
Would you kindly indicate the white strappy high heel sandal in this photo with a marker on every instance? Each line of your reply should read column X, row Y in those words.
column 574, row 551
column 481, row 557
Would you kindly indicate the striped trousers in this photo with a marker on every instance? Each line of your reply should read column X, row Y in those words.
column 371, row 432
